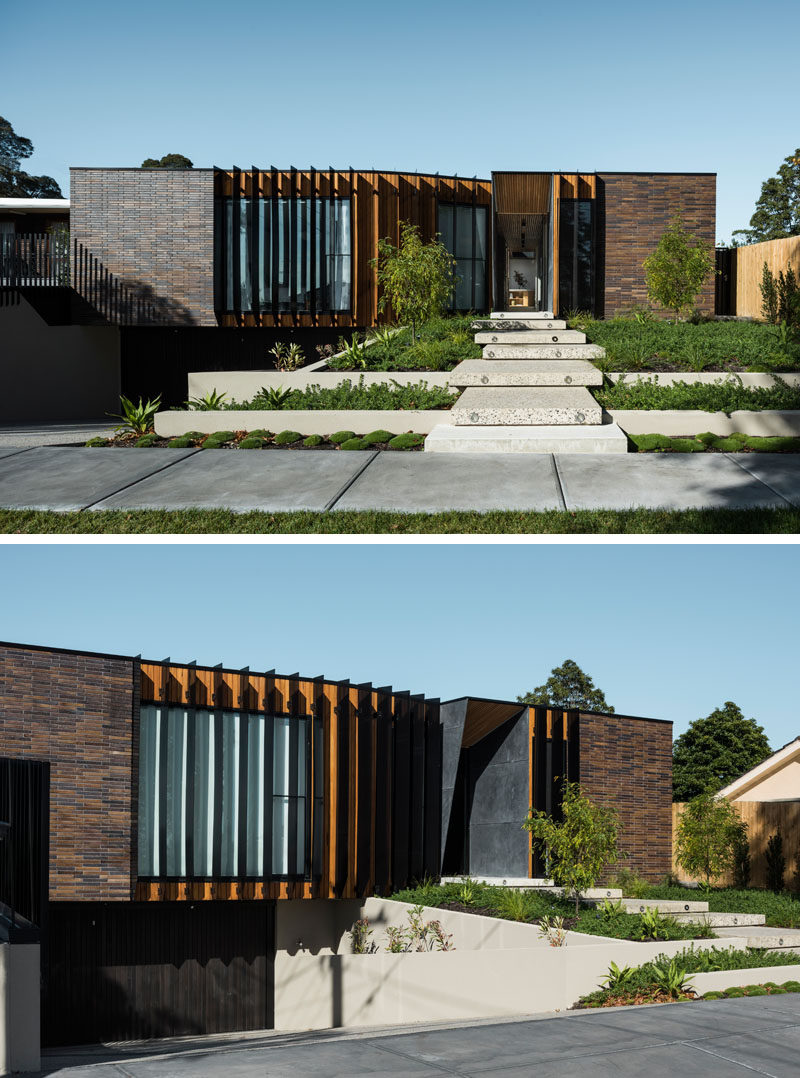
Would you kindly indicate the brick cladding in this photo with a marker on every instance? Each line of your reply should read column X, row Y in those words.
column 627, row 763
column 77, row 711
column 637, row 209
column 154, row 229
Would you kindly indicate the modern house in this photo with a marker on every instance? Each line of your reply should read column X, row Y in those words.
column 178, row 832
column 207, row 268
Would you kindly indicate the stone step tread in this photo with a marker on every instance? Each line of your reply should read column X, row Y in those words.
column 722, row 920
column 532, row 336
column 764, row 936
column 520, row 372
column 543, row 351
column 662, row 905
column 505, row 325
column 521, row 312
column 448, row 438
column 523, row 405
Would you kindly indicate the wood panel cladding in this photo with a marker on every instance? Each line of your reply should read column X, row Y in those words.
column 379, row 201
column 381, row 759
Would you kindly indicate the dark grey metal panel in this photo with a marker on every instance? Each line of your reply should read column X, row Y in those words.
column 452, row 716
column 499, row 796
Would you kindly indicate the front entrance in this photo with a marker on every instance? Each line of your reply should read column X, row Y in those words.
column 118, row 971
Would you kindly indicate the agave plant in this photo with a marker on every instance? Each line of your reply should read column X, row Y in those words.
column 136, row 418
column 671, row 978
column 274, row 396
column 355, row 352
column 211, row 402
column 381, row 335
column 617, row 980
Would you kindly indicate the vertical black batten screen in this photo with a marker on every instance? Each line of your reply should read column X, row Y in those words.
column 342, row 810
column 557, row 755
column 323, row 247
column 293, row 243
column 294, row 751
column 236, row 239
column 274, row 238
column 244, row 759
column 162, row 791
column 474, row 237
column 188, row 836
column 216, row 855
column 255, row 238
column 352, row 215
column 269, row 764
column 312, row 229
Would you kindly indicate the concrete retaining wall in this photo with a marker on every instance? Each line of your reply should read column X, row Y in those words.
column 671, row 378
column 675, row 422
column 171, row 424
column 243, row 385
column 19, row 1007
column 739, row 978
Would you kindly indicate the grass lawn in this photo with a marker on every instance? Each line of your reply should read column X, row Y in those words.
column 552, row 522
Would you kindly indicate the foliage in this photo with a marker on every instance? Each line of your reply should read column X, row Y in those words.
column 655, row 926
column 441, row 344
column 14, row 182
column 169, row 160
column 352, row 355
column 716, row 750
column 732, row 443
column 147, row 441
column 287, row 437
column 391, row 395
column 676, row 270
column 252, row 442
column 288, row 357
column 512, row 905
column 375, row 437
column 415, row 279
column 407, row 440
column 360, row 936
column 97, row 442
column 670, row 977
column 552, row 929
column 580, row 845
column 618, row 980
column 777, row 212
column 354, row 443
column 780, row 299
column 467, row 891
column 218, row 439
column 630, row 883
column 723, row 395
column 568, row 687
column 418, row 935
column 136, row 418
column 211, row 402
column 313, row 440
column 340, row 436
column 708, row 832
column 776, row 862
column 741, row 859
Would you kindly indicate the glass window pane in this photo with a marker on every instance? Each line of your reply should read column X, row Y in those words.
column 463, row 232
column 255, row 795
column 176, row 792
column 280, row 836
column 229, row 807
column 204, row 793
column 148, row 788
column 481, row 223
column 280, row 765
column 446, row 226
column 464, row 284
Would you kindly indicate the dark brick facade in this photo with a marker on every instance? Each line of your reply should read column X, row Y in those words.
column 78, row 711
column 154, row 229
column 627, row 763
column 635, row 210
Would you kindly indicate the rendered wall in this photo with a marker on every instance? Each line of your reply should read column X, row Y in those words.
column 19, row 1007
column 56, row 373
column 154, row 229
column 77, row 711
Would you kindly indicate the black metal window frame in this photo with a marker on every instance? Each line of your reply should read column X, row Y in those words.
column 454, row 205
column 575, row 292
column 24, row 848
column 311, row 823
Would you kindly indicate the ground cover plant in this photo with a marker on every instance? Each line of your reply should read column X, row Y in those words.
column 780, row 910
column 390, row 395
column 651, row 344
column 384, row 522
column 713, row 443
column 441, row 344
column 266, row 439
column 722, row 395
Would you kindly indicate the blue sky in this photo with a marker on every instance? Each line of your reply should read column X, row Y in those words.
column 701, row 86
column 668, row 631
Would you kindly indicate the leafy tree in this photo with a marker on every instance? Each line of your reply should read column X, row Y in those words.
column 569, row 688
column 676, row 270
column 716, row 750
column 416, row 278
column 581, row 845
column 169, row 160
column 709, row 833
column 777, row 212
column 14, row 182
column 776, row 862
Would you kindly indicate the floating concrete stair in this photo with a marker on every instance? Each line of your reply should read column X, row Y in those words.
column 543, row 351
column 520, row 372
column 766, row 939
column 661, row 905
column 521, row 312
column 532, row 336
column 721, row 920
column 501, row 325
column 447, row 438
column 510, row 406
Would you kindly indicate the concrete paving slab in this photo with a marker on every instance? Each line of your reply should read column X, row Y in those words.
column 66, row 478
column 677, row 1060
column 660, row 481
column 11, row 451
column 434, row 482
column 270, row 481
column 781, row 471
column 27, row 435
column 487, row 324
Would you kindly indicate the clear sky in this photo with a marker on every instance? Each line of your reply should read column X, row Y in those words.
column 668, row 631
column 693, row 85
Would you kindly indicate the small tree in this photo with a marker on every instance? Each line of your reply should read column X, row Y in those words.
column 708, row 833
column 580, row 845
column 780, row 297
column 676, row 270
column 716, row 750
column 416, row 278
column 568, row 687
column 169, row 160
column 776, row 862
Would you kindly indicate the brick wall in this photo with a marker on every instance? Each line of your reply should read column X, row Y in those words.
column 77, row 711
column 154, row 229
column 627, row 763
column 635, row 210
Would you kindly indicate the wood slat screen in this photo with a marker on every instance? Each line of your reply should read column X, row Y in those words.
column 778, row 254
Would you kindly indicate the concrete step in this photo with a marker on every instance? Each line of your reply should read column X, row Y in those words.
column 520, row 372
column 662, row 905
column 521, row 312
column 521, row 406
column 532, row 336
column 543, row 351
column 768, row 939
column 721, row 920
column 447, row 438
column 536, row 884
column 504, row 324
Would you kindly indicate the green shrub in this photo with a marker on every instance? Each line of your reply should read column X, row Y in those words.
column 354, row 443
column 146, row 441
column 512, row 904
column 251, row 442
column 707, row 438
column 391, row 395
column 313, row 440
column 376, row 436
column 406, row 441
column 723, row 395
column 756, row 990
column 340, row 436
column 95, row 443
column 287, row 437
column 183, row 441
column 647, row 443
column 785, row 444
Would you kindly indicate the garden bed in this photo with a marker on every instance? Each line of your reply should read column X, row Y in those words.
column 706, row 442
column 265, row 439
column 722, row 395
column 442, row 344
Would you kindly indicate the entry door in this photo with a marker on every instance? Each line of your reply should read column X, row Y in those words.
column 135, row 970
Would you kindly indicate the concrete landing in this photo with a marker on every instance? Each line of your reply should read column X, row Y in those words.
column 532, row 336
column 772, row 939
column 603, row 439
column 521, row 372
column 520, row 406
column 662, row 905
column 521, row 312
column 543, row 351
column 503, row 324
column 722, row 920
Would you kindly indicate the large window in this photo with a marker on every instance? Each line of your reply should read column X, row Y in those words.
column 227, row 794
column 576, row 255
column 295, row 255
column 463, row 230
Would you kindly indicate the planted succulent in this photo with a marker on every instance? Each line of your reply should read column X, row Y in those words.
column 136, row 418
column 211, row 402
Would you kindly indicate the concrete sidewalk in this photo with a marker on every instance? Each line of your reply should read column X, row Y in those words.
column 722, row 1039
column 70, row 478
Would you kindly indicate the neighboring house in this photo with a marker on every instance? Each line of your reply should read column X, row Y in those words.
column 181, row 830
column 207, row 268
column 775, row 779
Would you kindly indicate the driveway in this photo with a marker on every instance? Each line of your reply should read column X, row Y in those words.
column 732, row 1037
